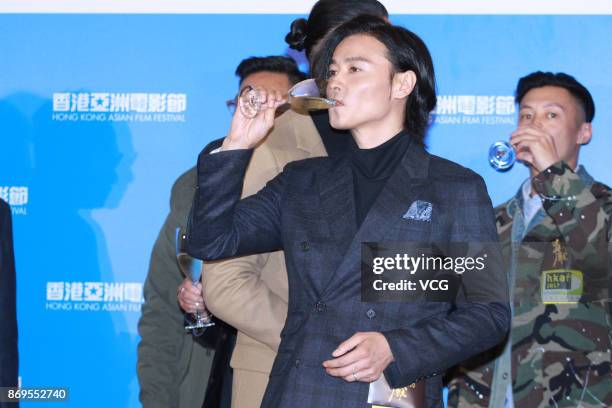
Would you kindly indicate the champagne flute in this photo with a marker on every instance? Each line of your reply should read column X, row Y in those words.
column 304, row 96
column 192, row 268
column 502, row 155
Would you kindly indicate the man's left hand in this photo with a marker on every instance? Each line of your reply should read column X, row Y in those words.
column 362, row 357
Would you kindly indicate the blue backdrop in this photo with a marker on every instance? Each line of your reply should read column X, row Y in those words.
column 99, row 114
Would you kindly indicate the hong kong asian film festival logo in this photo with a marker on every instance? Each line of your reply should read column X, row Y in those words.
column 119, row 107
column 94, row 296
column 474, row 110
column 16, row 197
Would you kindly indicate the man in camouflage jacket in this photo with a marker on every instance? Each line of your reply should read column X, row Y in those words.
column 555, row 234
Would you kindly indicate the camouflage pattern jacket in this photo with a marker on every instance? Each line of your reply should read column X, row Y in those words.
column 560, row 337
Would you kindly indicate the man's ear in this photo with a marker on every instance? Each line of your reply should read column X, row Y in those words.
column 403, row 84
column 585, row 133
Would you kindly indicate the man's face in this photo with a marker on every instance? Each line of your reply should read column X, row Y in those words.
column 271, row 81
column 554, row 110
column 274, row 81
column 360, row 80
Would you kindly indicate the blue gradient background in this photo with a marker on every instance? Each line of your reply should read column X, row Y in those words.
column 99, row 191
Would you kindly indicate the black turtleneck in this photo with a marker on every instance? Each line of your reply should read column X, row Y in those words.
column 372, row 168
column 336, row 141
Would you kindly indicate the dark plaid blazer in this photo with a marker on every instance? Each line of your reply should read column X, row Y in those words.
column 309, row 212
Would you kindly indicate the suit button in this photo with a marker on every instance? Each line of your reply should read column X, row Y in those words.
column 505, row 375
column 297, row 363
column 304, row 246
column 320, row 306
column 371, row 314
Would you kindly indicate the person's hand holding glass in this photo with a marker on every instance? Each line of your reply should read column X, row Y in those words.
column 189, row 293
column 257, row 108
column 530, row 144
column 304, row 96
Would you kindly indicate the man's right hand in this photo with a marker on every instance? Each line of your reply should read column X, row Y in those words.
column 535, row 146
column 190, row 296
column 246, row 133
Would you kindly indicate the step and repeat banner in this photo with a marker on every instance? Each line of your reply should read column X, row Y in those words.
column 103, row 105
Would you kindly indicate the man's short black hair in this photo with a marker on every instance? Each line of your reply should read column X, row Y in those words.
column 276, row 63
column 576, row 89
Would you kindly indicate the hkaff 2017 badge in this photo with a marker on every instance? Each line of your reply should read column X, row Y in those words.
column 561, row 286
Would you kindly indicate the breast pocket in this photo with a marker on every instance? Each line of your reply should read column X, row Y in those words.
column 411, row 230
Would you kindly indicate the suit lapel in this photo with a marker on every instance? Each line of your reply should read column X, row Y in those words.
column 338, row 209
column 409, row 182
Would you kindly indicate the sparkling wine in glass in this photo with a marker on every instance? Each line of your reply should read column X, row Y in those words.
column 502, row 155
column 306, row 95
column 192, row 268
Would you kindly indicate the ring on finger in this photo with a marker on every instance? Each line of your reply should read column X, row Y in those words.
column 354, row 376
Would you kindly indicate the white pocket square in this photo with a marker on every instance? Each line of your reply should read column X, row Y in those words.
column 419, row 211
